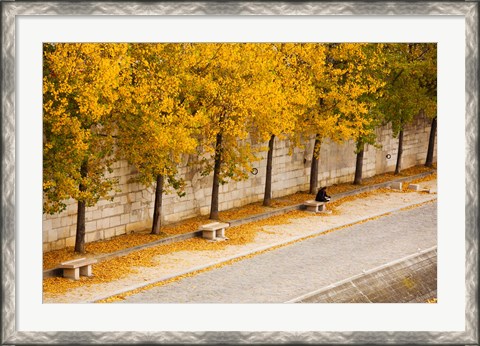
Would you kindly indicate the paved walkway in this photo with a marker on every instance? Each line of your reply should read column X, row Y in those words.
column 280, row 275
column 354, row 211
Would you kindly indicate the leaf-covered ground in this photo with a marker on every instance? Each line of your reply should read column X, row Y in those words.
column 119, row 267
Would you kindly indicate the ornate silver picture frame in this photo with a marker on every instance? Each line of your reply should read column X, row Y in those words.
column 12, row 11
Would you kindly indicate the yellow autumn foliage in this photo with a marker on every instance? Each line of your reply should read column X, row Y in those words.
column 154, row 104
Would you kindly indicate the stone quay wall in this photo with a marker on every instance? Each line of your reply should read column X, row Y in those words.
column 410, row 280
column 132, row 207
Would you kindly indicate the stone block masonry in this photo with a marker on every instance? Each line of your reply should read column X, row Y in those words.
column 410, row 280
column 132, row 207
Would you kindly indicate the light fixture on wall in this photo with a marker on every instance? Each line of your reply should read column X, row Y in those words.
column 254, row 171
column 388, row 156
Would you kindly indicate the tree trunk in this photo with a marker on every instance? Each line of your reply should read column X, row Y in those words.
column 359, row 164
column 81, row 206
column 267, row 198
column 216, row 178
column 431, row 143
column 314, row 165
column 398, row 167
column 80, row 235
column 157, row 210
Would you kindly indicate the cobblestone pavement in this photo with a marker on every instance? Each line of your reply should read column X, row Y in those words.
column 283, row 274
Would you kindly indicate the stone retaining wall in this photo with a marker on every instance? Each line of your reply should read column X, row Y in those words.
column 132, row 207
column 411, row 280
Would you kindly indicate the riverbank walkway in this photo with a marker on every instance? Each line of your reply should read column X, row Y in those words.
column 285, row 260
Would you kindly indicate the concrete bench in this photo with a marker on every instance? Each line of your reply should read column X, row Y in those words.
column 315, row 206
column 396, row 185
column 417, row 187
column 214, row 231
column 73, row 269
column 414, row 187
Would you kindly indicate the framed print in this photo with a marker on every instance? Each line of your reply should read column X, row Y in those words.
column 453, row 26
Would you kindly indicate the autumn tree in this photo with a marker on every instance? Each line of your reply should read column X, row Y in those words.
column 343, row 79
column 410, row 88
column 222, row 76
column 370, row 74
column 321, row 119
column 428, row 82
column 159, row 128
column 281, row 95
column 81, row 84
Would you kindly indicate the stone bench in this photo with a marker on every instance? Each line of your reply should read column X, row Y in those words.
column 414, row 187
column 73, row 269
column 417, row 187
column 396, row 185
column 315, row 206
column 214, row 231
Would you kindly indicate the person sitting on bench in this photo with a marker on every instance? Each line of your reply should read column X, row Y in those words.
column 322, row 195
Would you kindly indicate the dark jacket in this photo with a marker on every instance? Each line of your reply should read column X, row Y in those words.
column 322, row 195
